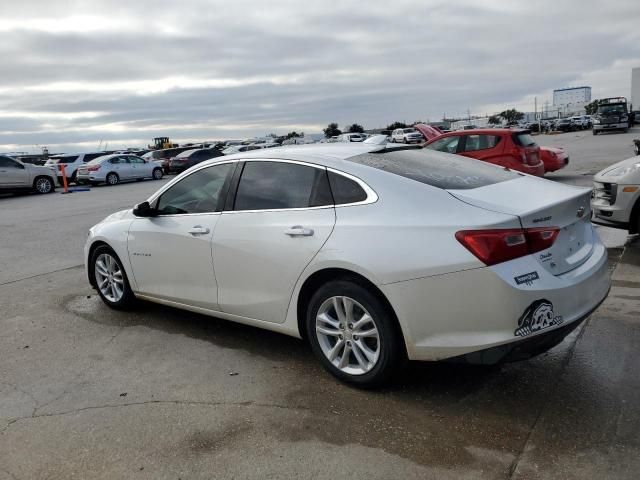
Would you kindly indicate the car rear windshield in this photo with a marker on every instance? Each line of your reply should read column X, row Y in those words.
column 65, row 159
column 524, row 139
column 437, row 169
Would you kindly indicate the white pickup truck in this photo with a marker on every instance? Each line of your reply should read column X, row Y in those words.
column 15, row 175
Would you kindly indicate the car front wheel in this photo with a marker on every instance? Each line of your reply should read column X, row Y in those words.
column 157, row 173
column 111, row 279
column 353, row 334
column 43, row 185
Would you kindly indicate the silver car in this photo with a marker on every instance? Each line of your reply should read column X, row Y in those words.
column 116, row 168
column 15, row 175
column 373, row 254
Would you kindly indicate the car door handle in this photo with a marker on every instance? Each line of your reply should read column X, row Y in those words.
column 199, row 230
column 298, row 231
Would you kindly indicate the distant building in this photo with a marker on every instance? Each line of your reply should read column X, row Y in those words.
column 635, row 88
column 563, row 97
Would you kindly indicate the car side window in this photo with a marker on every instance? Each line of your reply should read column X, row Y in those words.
column 115, row 161
column 345, row 190
column 8, row 163
column 448, row 144
column 278, row 185
column 200, row 192
column 480, row 142
column 133, row 159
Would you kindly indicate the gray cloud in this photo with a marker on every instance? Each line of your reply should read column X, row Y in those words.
column 76, row 72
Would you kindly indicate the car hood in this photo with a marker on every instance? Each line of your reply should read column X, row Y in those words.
column 632, row 176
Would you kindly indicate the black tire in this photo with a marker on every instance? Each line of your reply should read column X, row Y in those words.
column 594, row 131
column 157, row 173
column 112, row 178
column 391, row 348
column 74, row 177
column 42, row 185
column 393, row 140
column 128, row 298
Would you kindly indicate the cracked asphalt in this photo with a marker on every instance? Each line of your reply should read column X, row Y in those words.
column 158, row 393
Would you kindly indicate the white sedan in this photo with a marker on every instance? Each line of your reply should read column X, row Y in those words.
column 371, row 253
column 116, row 168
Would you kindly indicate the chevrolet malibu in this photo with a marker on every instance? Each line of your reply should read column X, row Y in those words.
column 371, row 253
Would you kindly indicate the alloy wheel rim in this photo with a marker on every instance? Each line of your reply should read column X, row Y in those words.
column 112, row 179
column 157, row 174
column 43, row 185
column 109, row 277
column 348, row 335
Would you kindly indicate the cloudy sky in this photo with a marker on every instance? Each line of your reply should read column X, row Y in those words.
column 77, row 73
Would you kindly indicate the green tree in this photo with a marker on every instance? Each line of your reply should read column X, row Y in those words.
column 395, row 125
column 511, row 116
column 294, row 134
column 592, row 108
column 355, row 128
column 332, row 130
column 494, row 120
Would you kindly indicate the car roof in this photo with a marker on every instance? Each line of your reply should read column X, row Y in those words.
column 484, row 131
column 331, row 155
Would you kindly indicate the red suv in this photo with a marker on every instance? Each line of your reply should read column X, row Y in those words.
column 515, row 149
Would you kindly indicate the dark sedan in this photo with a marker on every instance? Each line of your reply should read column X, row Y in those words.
column 189, row 158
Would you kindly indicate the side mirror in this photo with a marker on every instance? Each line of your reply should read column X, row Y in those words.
column 144, row 210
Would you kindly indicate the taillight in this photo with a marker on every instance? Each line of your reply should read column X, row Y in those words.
column 497, row 246
column 93, row 168
column 541, row 238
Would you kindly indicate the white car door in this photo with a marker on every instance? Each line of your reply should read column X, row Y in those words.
column 170, row 253
column 283, row 214
column 138, row 167
column 13, row 174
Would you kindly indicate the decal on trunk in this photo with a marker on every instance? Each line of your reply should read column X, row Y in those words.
column 538, row 316
column 527, row 278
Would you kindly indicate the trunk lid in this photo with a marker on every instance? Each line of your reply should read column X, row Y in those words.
column 542, row 203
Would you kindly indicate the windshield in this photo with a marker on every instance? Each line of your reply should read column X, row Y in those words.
column 97, row 160
column 409, row 130
column 436, row 169
column 65, row 159
column 609, row 109
column 524, row 139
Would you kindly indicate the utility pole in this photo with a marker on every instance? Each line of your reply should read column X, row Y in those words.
column 535, row 108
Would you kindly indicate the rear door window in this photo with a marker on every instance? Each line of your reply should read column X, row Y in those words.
column 280, row 185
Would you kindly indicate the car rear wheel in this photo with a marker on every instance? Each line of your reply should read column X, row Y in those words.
column 595, row 132
column 112, row 179
column 43, row 185
column 111, row 279
column 353, row 334
column 157, row 173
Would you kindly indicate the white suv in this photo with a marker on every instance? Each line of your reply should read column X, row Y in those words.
column 406, row 135
column 71, row 163
column 616, row 195
column 15, row 175
column 351, row 137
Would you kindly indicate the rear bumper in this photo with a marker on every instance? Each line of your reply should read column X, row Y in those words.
column 537, row 170
column 523, row 349
column 471, row 311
